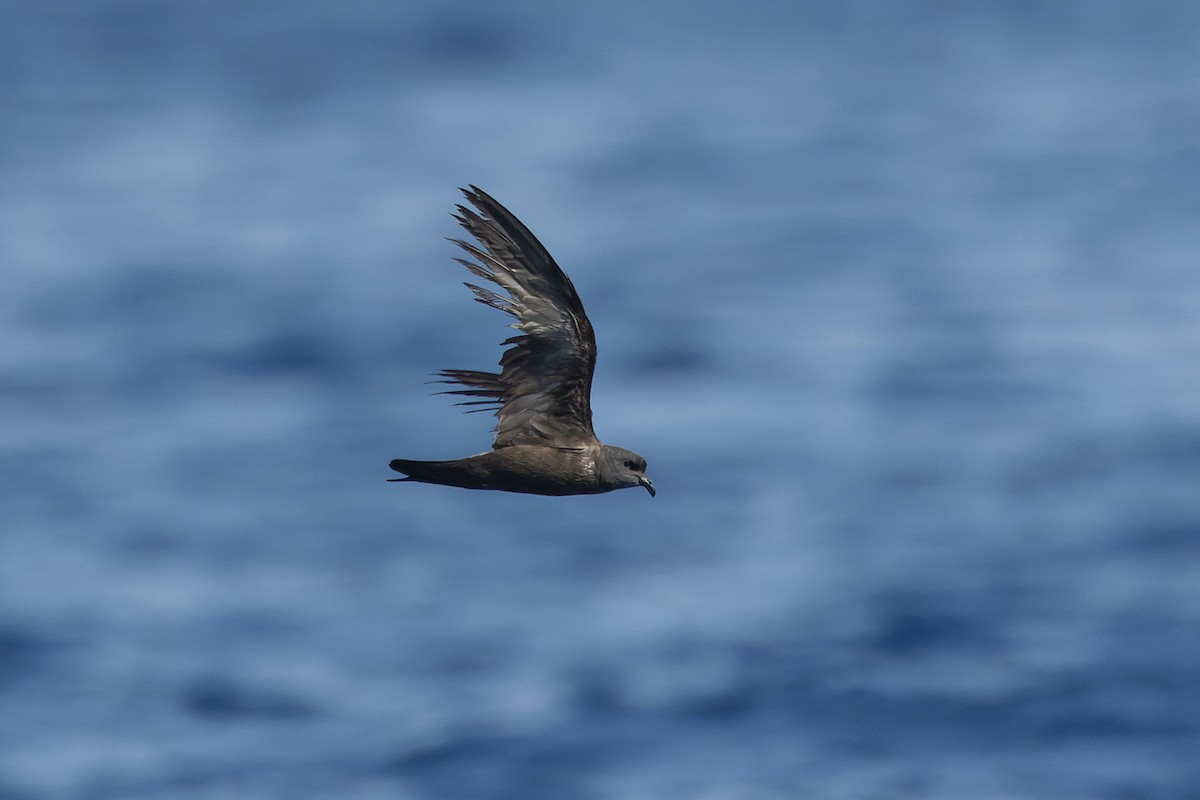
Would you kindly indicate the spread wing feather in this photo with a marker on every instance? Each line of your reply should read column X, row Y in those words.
column 542, row 393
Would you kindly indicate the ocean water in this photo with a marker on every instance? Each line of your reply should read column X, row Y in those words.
column 901, row 301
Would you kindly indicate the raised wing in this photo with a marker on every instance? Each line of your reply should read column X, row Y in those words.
column 543, row 390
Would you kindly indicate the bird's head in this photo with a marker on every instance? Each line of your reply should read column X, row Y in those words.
column 621, row 469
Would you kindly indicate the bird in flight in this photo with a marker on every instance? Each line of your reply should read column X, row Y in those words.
column 542, row 395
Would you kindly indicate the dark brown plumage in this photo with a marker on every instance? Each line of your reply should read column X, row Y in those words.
column 544, row 440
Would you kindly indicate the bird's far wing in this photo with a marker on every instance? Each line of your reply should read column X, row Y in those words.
column 542, row 392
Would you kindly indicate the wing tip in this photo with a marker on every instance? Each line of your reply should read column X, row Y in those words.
column 475, row 195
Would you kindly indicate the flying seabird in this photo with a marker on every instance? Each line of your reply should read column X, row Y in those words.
column 542, row 395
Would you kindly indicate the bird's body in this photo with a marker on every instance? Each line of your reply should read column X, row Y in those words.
column 544, row 439
column 524, row 468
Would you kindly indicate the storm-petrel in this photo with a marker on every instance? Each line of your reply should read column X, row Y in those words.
column 542, row 395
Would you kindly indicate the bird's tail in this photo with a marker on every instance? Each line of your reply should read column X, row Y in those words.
column 447, row 473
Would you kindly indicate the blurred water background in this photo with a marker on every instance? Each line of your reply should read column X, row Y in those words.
column 900, row 300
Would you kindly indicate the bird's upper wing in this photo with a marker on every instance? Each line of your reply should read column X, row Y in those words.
column 544, row 386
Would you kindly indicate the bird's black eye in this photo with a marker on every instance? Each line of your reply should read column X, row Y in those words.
column 628, row 464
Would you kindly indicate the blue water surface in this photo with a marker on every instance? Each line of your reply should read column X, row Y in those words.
column 901, row 301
